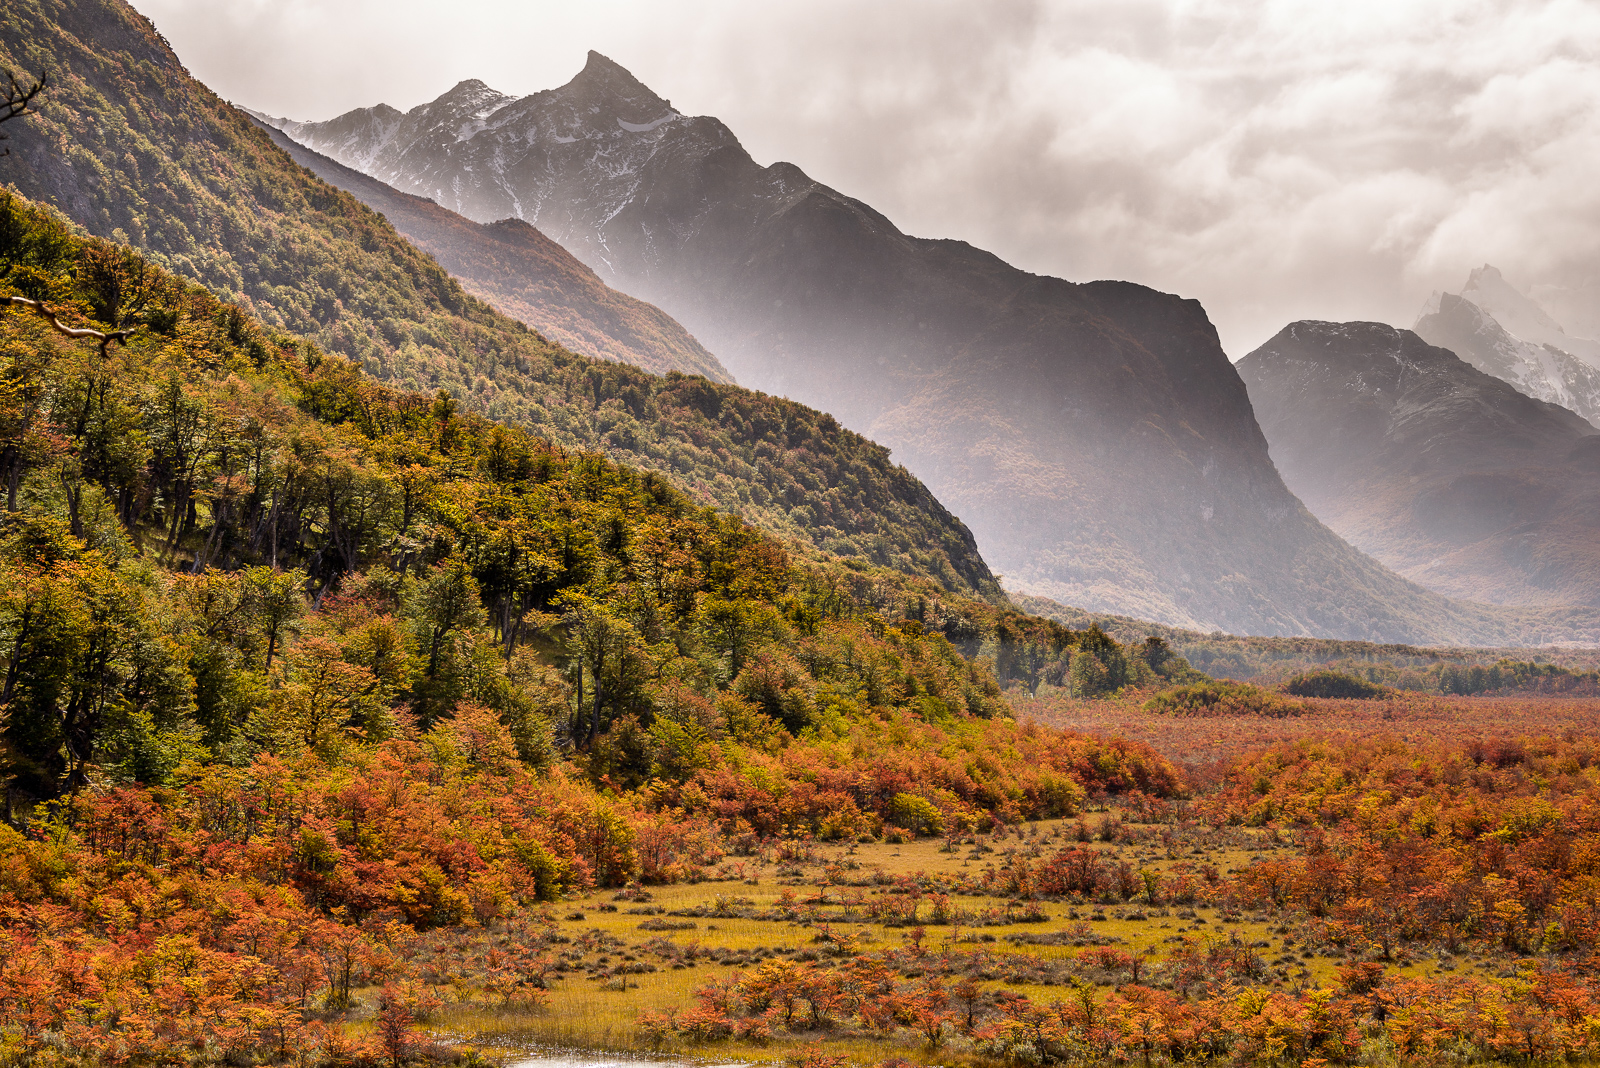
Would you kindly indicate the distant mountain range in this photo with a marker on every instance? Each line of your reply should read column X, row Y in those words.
column 1095, row 436
column 1096, row 433
column 1449, row 475
column 1506, row 334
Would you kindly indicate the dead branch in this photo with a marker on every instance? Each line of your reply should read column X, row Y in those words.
column 119, row 336
column 17, row 99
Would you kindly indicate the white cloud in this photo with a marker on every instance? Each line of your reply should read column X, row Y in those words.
column 1277, row 159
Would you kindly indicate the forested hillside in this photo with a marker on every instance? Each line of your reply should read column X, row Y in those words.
column 306, row 666
column 204, row 191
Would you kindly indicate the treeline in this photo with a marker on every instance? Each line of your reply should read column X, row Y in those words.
column 1505, row 677
column 204, row 193
column 1271, row 662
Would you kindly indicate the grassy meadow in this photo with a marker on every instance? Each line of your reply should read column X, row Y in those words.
column 648, row 950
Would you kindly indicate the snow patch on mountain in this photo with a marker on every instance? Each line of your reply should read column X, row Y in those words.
column 647, row 126
column 1523, row 317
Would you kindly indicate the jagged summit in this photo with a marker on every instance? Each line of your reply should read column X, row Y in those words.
column 1522, row 315
column 603, row 71
column 605, row 93
column 523, row 273
column 462, row 112
column 1505, row 333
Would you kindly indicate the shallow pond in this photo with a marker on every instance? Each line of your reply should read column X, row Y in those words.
column 582, row 1059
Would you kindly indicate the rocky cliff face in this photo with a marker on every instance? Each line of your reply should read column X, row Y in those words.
column 523, row 273
column 1449, row 475
column 1095, row 436
column 1503, row 333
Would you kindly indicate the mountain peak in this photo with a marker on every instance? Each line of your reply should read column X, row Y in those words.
column 1520, row 314
column 603, row 68
column 1488, row 273
column 603, row 76
column 1502, row 331
column 469, row 97
column 473, row 89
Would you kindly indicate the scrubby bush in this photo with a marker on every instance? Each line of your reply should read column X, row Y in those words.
column 1223, row 698
column 1333, row 684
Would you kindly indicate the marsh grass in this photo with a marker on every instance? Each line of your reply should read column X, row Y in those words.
column 586, row 1014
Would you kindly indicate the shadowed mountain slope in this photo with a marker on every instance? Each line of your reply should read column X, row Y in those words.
column 524, row 274
column 127, row 144
column 1450, row 476
column 1095, row 435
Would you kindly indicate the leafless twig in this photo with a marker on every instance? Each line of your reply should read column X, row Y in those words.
column 119, row 336
column 17, row 99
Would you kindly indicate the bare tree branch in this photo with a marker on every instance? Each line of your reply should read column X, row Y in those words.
column 119, row 336
column 18, row 98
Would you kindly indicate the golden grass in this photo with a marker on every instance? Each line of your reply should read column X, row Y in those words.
column 584, row 1014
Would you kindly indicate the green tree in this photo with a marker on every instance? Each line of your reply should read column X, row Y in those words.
column 444, row 603
column 272, row 602
column 85, row 662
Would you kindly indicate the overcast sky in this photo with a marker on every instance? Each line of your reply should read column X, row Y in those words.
column 1329, row 159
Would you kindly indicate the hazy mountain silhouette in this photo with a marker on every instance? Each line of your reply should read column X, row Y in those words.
column 1450, row 476
column 1506, row 334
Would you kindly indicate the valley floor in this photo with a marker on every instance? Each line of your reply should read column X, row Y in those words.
column 1411, row 717
column 1153, row 930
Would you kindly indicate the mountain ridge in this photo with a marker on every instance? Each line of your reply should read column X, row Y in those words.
column 1450, row 475
column 523, row 273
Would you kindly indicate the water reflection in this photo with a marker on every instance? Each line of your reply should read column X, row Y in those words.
column 573, row 1059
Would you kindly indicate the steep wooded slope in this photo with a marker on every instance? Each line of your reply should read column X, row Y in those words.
column 1449, row 475
column 1095, row 435
column 130, row 146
